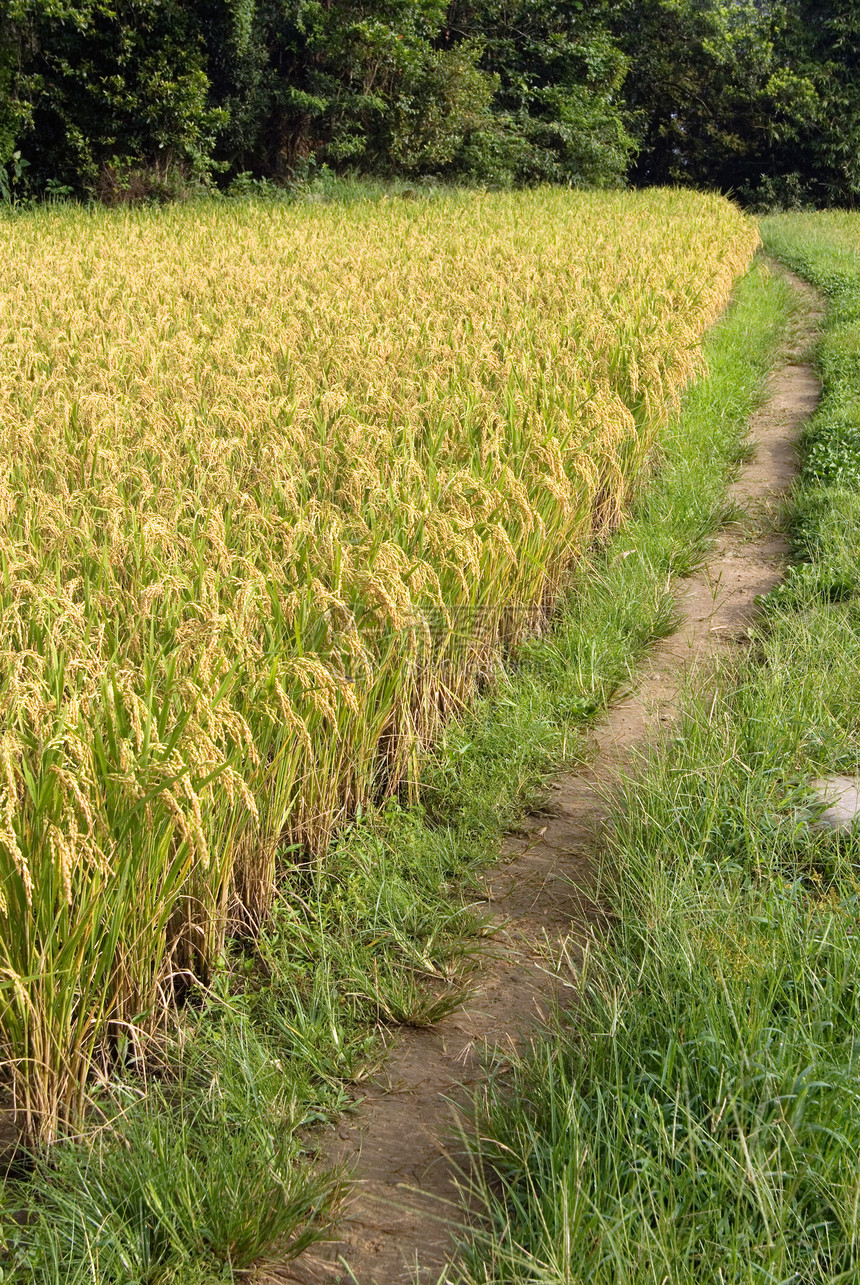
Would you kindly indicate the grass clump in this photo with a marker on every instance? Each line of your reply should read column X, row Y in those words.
column 700, row 1122
column 193, row 1181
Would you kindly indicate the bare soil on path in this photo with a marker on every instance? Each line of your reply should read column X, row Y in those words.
column 397, row 1225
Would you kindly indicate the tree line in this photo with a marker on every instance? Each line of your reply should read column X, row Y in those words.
column 111, row 98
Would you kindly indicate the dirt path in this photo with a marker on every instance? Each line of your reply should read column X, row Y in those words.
column 394, row 1230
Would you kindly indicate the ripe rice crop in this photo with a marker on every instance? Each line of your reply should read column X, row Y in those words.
column 280, row 486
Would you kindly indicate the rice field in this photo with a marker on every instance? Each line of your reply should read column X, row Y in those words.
column 281, row 485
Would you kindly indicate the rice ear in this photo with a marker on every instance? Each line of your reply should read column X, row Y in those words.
column 276, row 495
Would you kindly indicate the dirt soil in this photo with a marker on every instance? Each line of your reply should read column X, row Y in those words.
column 397, row 1225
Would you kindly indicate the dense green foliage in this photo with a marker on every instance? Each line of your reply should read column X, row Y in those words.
column 93, row 94
column 714, row 95
column 147, row 97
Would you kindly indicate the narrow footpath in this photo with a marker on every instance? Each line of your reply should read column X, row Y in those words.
column 396, row 1227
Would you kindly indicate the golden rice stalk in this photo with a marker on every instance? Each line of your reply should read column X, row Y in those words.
column 279, row 487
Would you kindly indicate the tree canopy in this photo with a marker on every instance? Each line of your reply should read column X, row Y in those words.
column 756, row 97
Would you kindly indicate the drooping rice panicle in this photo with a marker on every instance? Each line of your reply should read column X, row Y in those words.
column 280, row 485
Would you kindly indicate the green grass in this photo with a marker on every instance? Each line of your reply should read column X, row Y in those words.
column 208, row 1168
column 190, row 1184
column 700, row 1119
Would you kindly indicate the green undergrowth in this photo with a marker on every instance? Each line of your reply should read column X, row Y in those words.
column 203, row 1166
column 824, row 249
column 700, row 1120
